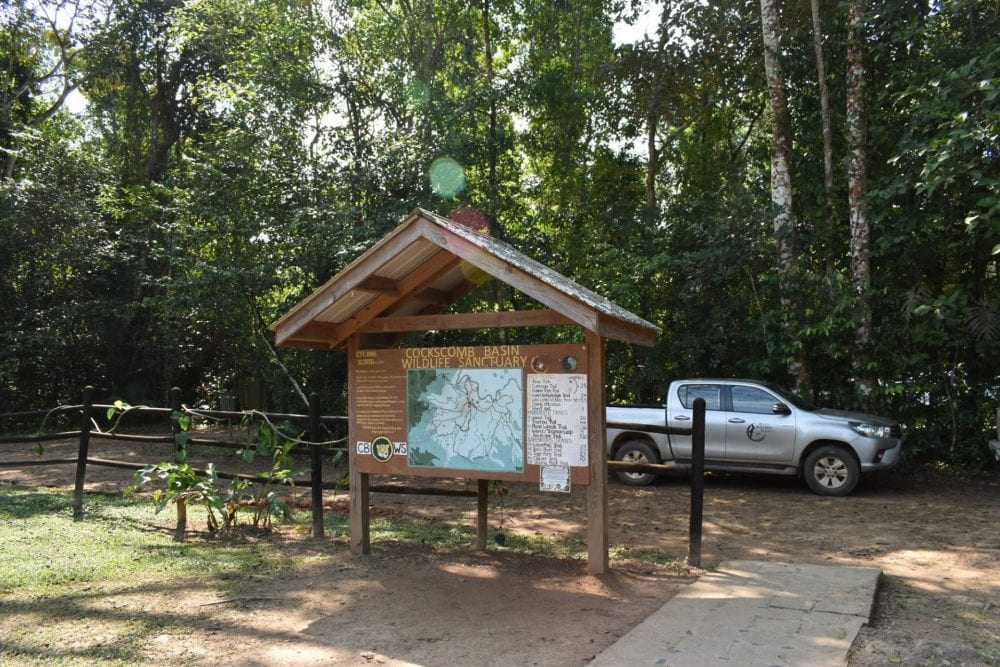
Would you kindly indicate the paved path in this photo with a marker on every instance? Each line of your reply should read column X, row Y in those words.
column 752, row 614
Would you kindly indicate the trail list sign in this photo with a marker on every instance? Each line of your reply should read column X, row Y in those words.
column 514, row 412
column 557, row 427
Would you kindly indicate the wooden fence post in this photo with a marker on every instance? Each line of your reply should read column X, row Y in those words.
column 316, row 464
column 180, row 448
column 697, row 483
column 180, row 456
column 82, row 452
column 482, row 512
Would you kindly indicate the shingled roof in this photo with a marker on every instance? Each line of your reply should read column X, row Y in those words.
column 426, row 265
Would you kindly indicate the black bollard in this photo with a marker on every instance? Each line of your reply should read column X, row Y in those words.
column 697, row 483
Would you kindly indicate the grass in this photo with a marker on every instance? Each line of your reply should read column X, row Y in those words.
column 99, row 591
column 118, row 539
column 123, row 537
column 105, row 590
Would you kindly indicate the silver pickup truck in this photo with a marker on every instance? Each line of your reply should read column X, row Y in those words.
column 756, row 427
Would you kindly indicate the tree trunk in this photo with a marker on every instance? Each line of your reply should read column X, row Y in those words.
column 653, row 164
column 781, row 174
column 824, row 105
column 857, row 192
column 781, row 131
column 654, row 112
column 492, row 186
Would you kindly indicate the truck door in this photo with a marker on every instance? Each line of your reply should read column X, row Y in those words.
column 680, row 409
column 754, row 432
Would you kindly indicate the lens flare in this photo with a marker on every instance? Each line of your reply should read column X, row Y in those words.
column 447, row 177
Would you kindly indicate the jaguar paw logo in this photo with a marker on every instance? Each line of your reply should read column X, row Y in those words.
column 382, row 449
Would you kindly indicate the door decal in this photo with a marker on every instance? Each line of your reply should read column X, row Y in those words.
column 757, row 432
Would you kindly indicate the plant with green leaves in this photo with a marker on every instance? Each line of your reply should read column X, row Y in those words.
column 182, row 484
column 182, row 424
column 278, row 443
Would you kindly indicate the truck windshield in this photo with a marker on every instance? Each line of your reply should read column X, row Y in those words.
column 792, row 397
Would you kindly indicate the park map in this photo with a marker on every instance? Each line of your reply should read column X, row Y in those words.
column 466, row 418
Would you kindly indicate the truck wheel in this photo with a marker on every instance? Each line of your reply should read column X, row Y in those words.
column 636, row 451
column 831, row 471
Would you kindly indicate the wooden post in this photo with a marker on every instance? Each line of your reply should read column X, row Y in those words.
column 180, row 456
column 697, row 483
column 180, row 449
column 597, row 489
column 360, row 539
column 182, row 520
column 82, row 453
column 482, row 507
column 316, row 464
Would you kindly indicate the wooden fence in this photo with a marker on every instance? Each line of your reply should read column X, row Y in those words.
column 88, row 413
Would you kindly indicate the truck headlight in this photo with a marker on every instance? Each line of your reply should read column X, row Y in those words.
column 871, row 430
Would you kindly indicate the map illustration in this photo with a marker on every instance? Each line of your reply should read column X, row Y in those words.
column 466, row 418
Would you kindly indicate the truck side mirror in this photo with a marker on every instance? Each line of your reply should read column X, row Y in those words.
column 781, row 409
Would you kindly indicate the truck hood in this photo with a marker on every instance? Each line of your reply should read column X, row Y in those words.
column 844, row 415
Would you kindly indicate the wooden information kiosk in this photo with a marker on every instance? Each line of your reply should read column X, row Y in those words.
column 531, row 413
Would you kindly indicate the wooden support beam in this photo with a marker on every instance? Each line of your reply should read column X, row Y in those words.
column 597, row 489
column 347, row 280
column 621, row 330
column 379, row 285
column 360, row 519
column 474, row 277
column 517, row 278
column 417, row 281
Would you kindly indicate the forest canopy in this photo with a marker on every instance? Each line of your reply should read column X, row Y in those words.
column 804, row 192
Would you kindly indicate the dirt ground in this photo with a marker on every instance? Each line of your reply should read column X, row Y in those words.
column 936, row 538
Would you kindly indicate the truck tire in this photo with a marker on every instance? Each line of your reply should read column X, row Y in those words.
column 636, row 451
column 831, row 470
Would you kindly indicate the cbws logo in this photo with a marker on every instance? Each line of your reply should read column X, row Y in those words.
column 382, row 449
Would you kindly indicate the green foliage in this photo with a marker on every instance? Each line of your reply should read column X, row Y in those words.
column 276, row 443
column 179, row 483
column 233, row 156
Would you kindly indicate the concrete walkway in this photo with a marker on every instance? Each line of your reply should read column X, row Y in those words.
column 752, row 614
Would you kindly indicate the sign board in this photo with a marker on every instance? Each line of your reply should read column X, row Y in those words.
column 502, row 412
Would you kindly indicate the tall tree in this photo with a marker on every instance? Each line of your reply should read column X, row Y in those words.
column 781, row 181
column 857, row 192
column 824, row 103
column 781, row 133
